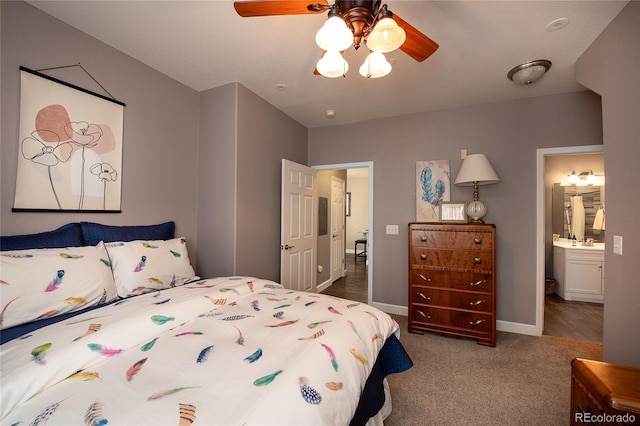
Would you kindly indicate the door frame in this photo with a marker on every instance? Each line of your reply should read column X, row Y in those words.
column 370, row 236
column 540, row 223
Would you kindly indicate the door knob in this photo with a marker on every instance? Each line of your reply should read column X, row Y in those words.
column 286, row 247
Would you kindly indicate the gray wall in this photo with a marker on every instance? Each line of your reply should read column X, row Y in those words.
column 266, row 135
column 611, row 67
column 509, row 133
column 243, row 140
column 217, row 183
column 159, row 180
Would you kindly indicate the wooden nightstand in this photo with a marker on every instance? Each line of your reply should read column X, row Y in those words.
column 603, row 393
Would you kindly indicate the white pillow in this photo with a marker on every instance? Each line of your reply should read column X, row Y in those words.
column 42, row 283
column 143, row 266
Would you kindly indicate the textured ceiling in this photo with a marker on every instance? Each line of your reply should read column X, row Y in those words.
column 205, row 44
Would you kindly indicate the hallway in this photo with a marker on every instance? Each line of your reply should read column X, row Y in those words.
column 354, row 285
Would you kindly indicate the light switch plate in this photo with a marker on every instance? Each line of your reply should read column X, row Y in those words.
column 617, row 244
column 392, row 229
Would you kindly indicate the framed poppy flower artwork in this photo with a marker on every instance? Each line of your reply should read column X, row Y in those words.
column 70, row 147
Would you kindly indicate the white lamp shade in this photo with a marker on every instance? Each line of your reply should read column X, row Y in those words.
column 334, row 35
column 476, row 168
column 332, row 64
column 375, row 66
column 386, row 36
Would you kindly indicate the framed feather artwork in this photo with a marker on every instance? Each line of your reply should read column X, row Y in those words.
column 432, row 188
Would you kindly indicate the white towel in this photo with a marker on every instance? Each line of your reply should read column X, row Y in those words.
column 598, row 222
column 578, row 217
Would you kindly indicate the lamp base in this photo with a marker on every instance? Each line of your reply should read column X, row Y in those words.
column 476, row 211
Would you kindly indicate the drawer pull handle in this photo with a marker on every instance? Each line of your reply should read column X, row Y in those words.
column 477, row 302
column 477, row 240
column 424, row 278
column 477, row 283
column 423, row 296
column 423, row 256
column 424, row 315
column 477, row 322
column 423, row 238
column 477, row 260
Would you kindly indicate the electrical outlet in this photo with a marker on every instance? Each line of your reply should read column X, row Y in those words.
column 463, row 153
column 392, row 229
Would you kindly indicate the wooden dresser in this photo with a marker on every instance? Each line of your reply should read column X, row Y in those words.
column 452, row 280
column 603, row 393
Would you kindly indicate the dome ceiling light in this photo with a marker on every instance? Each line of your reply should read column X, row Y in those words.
column 529, row 72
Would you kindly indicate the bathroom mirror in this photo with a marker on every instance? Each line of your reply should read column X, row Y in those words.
column 563, row 219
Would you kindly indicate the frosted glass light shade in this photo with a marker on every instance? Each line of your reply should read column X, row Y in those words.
column 334, row 35
column 386, row 36
column 332, row 64
column 529, row 72
column 375, row 66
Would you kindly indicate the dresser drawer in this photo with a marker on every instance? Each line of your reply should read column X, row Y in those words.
column 474, row 322
column 452, row 239
column 455, row 259
column 448, row 298
column 454, row 280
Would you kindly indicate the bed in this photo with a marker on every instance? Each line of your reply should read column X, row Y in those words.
column 110, row 325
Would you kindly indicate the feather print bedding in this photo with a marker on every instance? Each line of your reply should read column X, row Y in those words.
column 233, row 350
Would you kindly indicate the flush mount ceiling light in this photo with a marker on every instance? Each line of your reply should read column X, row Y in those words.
column 529, row 72
column 351, row 23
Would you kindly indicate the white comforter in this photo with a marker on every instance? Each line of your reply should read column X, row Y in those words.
column 235, row 350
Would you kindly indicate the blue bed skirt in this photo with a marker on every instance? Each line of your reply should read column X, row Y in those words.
column 393, row 358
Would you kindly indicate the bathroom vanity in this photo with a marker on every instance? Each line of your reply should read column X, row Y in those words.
column 579, row 271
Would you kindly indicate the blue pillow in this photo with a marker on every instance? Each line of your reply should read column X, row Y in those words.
column 93, row 233
column 69, row 235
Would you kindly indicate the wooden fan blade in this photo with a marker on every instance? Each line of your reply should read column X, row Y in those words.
column 248, row 9
column 417, row 45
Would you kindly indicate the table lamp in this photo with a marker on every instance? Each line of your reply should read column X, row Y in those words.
column 476, row 170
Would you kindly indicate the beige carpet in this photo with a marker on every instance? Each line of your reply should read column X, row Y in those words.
column 524, row 380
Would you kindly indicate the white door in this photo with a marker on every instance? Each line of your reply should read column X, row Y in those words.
column 337, row 228
column 298, row 227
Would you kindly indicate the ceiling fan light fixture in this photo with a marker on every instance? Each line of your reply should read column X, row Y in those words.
column 334, row 35
column 386, row 36
column 529, row 72
column 375, row 66
column 332, row 64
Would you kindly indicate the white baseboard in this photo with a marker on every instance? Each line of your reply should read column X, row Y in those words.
column 322, row 287
column 508, row 326
column 516, row 327
column 391, row 309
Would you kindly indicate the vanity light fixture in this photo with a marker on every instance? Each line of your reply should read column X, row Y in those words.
column 573, row 178
column 583, row 179
column 476, row 170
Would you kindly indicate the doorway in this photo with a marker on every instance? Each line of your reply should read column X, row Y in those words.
column 559, row 311
column 366, row 272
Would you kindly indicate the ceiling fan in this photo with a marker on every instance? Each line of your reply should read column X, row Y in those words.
column 364, row 20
